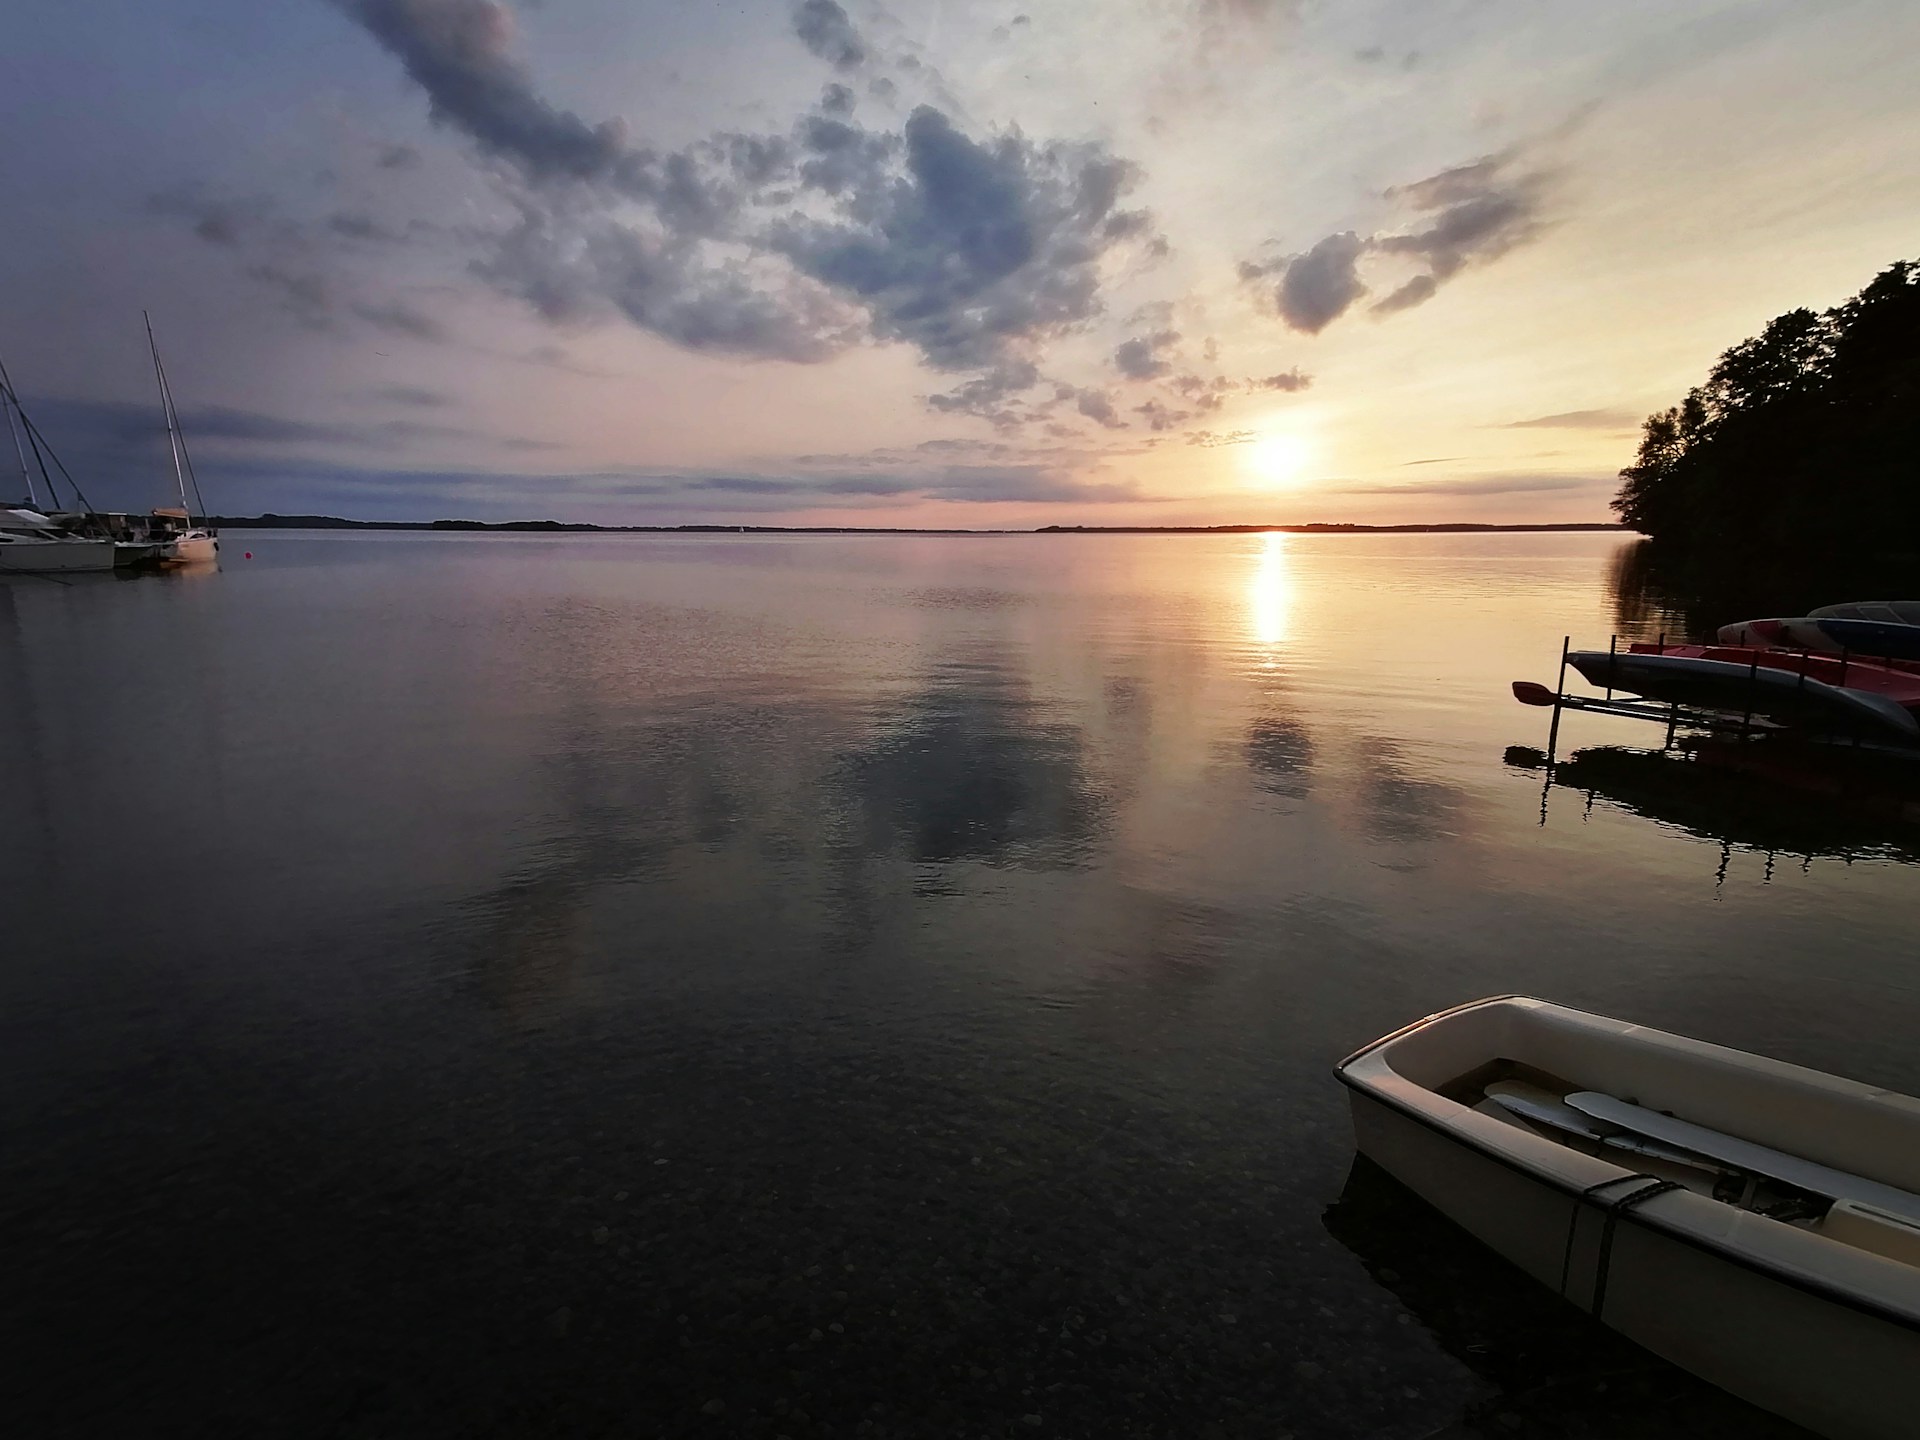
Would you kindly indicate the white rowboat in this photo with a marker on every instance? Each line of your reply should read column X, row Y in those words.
column 1807, row 1308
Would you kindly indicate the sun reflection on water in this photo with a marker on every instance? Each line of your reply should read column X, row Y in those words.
column 1270, row 601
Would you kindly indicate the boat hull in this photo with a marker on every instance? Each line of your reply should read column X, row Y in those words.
column 192, row 550
column 1891, row 612
column 1746, row 689
column 57, row 557
column 1691, row 1280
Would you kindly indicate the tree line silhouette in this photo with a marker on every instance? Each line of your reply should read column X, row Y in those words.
column 1800, row 454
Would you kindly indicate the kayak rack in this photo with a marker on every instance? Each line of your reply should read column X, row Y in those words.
column 1671, row 714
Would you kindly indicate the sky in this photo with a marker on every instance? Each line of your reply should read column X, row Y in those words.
column 1137, row 262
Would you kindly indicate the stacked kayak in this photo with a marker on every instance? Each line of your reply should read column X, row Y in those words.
column 1888, row 629
column 1898, row 684
column 1746, row 689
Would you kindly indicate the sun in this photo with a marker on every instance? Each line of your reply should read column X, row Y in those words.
column 1276, row 460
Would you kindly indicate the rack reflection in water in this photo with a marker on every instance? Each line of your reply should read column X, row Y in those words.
column 1770, row 797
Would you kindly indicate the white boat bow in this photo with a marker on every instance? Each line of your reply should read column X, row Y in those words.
column 1760, row 1284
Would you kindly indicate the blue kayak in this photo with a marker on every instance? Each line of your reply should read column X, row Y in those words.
column 1874, row 637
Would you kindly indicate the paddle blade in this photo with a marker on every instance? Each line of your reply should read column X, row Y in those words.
column 1529, row 692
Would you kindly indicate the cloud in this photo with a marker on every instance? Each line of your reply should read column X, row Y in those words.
column 304, row 294
column 977, row 252
column 1481, row 485
column 1211, row 439
column 118, row 425
column 1161, row 417
column 460, row 52
column 1201, row 393
column 1291, row 380
column 1478, row 213
column 414, row 395
column 1579, row 420
column 970, row 251
column 216, row 219
column 1097, row 405
column 1140, row 357
column 1317, row 287
column 1416, row 291
column 358, row 225
column 398, row 157
column 823, row 27
column 396, row 317
column 1469, row 214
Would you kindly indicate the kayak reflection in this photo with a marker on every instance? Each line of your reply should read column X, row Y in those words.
column 1773, row 797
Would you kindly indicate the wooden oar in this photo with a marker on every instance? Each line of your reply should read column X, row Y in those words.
column 1760, row 1159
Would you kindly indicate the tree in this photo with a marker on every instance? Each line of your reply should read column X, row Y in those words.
column 1804, row 442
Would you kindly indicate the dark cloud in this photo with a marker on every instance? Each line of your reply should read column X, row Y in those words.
column 460, row 52
column 1140, row 357
column 971, row 251
column 216, row 219
column 415, row 395
column 1097, row 405
column 396, row 317
column 1317, row 287
column 1579, row 420
column 1293, row 380
column 964, row 484
column 398, row 157
column 1416, row 291
column 823, row 27
column 1472, row 214
column 1478, row 212
column 304, row 294
column 836, row 99
column 571, row 267
column 975, row 252
column 992, row 394
column 358, row 225
column 1202, row 393
column 117, row 424
column 1161, row 417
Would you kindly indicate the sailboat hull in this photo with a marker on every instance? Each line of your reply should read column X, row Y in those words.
column 193, row 550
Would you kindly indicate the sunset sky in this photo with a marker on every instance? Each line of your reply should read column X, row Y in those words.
column 1106, row 262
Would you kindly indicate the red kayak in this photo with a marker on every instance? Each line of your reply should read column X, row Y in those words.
column 1900, row 686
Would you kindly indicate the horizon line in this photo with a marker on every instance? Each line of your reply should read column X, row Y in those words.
column 307, row 521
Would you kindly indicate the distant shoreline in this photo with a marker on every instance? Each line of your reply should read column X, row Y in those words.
column 272, row 521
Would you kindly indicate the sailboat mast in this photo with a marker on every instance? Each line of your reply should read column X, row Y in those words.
column 19, row 450
column 166, row 406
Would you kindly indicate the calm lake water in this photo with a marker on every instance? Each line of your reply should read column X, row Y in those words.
column 827, row 985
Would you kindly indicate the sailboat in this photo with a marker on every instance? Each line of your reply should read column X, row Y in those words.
column 30, row 541
column 186, row 543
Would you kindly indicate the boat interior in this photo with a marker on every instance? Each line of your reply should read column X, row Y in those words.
column 1813, row 1151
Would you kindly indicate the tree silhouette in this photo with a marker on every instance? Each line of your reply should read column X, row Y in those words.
column 1802, row 447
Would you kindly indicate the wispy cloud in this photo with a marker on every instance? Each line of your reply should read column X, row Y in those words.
column 1478, row 485
column 1579, row 420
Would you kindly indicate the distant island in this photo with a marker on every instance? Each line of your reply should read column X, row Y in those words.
column 271, row 521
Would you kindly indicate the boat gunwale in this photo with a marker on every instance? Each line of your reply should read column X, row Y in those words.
column 1642, row 1216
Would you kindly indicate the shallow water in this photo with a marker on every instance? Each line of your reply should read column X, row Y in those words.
column 827, row 985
